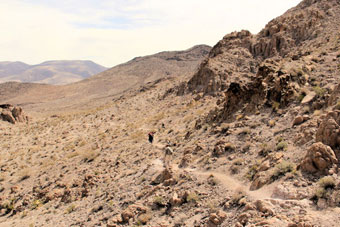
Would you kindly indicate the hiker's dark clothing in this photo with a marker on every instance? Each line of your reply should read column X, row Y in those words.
column 150, row 137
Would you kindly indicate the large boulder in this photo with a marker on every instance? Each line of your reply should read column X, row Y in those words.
column 329, row 130
column 335, row 95
column 320, row 158
column 6, row 115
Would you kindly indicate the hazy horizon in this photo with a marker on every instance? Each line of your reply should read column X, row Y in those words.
column 113, row 32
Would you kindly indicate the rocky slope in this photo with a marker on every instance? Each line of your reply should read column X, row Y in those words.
column 49, row 72
column 255, row 137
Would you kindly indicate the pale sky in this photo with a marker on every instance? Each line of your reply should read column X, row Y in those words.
column 110, row 32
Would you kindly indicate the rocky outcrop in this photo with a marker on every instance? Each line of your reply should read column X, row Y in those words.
column 237, row 56
column 229, row 61
column 335, row 97
column 273, row 86
column 319, row 159
column 329, row 130
column 12, row 114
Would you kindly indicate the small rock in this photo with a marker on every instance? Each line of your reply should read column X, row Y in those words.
column 169, row 182
column 263, row 207
column 238, row 224
column 97, row 208
column 265, row 166
column 249, row 206
column 298, row 120
column 322, row 204
column 116, row 219
column 244, row 218
column 175, row 201
column 308, row 98
column 261, row 179
column 306, row 117
column 218, row 218
column 166, row 174
column 126, row 215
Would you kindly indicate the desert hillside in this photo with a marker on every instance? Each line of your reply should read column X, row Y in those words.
column 112, row 82
column 49, row 72
column 254, row 133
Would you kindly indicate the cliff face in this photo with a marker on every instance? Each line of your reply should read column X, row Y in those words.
column 304, row 30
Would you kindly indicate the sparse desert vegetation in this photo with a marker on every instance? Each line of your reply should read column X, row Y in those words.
column 253, row 131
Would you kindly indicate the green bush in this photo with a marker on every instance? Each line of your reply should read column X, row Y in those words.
column 158, row 200
column 282, row 146
column 282, row 168
column 252, row 171
column 319, row 91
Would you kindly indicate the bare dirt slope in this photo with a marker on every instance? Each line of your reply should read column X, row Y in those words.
column 254, row 133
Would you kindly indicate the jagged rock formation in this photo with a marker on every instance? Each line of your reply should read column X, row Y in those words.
column 12, row 114
column 237, row 56
column 274, row 68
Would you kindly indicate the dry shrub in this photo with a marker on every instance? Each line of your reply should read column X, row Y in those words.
column 238, row 195
column 89, row 155
column 72, row 154
column 327, row 182
column 24, row 174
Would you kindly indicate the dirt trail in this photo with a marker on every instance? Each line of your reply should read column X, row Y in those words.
column 233, row 184
column 226, row 180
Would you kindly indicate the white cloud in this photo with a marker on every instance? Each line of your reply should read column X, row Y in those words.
column 112, row 32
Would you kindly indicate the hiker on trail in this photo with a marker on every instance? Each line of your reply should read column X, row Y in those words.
column 151, row 135
column 167, row 156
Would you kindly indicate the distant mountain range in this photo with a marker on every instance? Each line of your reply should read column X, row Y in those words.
column 49, row 72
